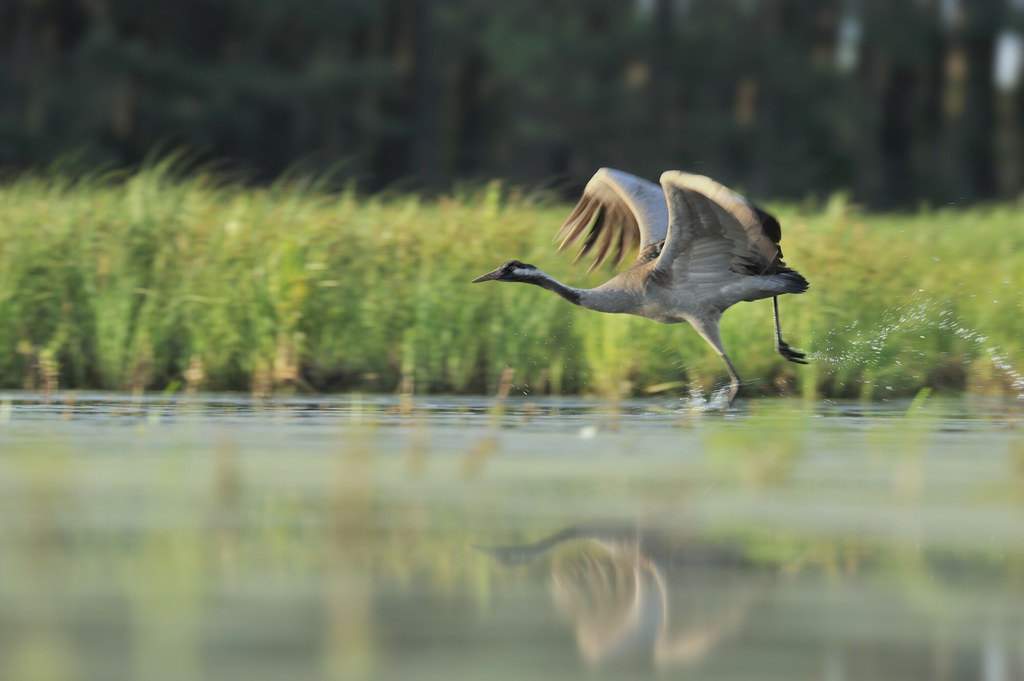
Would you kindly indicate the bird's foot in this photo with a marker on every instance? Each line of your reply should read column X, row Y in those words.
column 792, row 354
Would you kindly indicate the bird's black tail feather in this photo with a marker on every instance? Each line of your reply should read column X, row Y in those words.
column 791, row 281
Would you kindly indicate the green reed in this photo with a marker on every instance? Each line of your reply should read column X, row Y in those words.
column 151, row 278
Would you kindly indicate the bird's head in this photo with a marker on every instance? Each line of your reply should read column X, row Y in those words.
column 513, row 270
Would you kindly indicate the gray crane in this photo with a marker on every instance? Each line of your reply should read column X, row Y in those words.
column 702, row 249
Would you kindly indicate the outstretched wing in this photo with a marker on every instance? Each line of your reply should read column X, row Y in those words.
column 714, row 231
column 620, row 209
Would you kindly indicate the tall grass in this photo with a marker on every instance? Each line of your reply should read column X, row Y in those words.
column 155, row 277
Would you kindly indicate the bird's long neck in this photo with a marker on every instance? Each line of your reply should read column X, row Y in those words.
column 573, row 295
column 590, row 298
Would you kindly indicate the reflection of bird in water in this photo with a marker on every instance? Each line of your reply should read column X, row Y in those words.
column 628, row 592
column 702, row 249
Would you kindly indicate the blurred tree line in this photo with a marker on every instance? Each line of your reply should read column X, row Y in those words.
column 898, row 101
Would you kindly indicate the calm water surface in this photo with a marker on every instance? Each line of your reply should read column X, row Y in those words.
column 219, row 537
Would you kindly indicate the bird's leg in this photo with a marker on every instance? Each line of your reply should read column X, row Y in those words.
column 734, row 379
column 781, row 346
column 707, row 327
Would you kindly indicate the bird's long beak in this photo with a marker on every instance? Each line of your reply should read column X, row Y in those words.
column 487, row 277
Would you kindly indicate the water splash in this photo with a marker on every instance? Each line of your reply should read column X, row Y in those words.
column 862, row 352
column 696, row 402
column 998, row 358
column 1002, row 363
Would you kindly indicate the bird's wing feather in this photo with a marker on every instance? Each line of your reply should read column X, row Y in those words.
column 620, row 209
column 713, row 230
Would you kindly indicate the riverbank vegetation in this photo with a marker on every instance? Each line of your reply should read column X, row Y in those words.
column 159, row 279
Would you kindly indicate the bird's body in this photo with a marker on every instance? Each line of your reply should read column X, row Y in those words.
column 701, row 249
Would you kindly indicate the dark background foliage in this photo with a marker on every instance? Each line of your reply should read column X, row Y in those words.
column 893, row 100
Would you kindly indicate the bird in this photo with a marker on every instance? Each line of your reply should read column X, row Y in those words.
column 701, row 248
